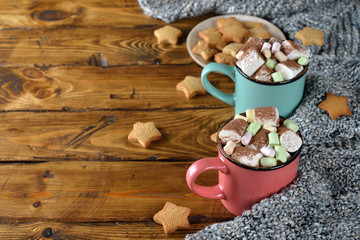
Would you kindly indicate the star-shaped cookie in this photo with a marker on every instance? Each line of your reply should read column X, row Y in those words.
column 212, row 37
column 335, row 106
column 310, row 36
column 144, row 133
column 204, row 51
column 173, row 217
column 167, row 34
column 191, row 86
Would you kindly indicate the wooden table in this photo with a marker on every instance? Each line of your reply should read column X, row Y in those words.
column 75, row 76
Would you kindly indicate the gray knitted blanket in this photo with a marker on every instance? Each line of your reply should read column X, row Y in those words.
column 324, row 201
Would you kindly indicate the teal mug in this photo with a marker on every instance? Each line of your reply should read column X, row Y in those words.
column 248, row 94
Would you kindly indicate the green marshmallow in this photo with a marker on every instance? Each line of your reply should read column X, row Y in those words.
column 303, row 61
column 280, row 153
column 273, row 139
column 268, row 162
column 290, row 124
column 270, row 63
column 277, row 77
column 253, row 128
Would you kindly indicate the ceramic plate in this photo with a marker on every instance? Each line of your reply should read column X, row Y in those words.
column 193, row 38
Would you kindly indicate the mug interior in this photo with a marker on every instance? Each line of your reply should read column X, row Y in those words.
column 292, row 158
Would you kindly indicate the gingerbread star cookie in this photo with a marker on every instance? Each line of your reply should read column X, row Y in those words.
column 204, row 51
column 249, row 24
column 213, row 137
column 232, row 29
column 167, row 34
column 259, row 32
column 310, row 36
column 224, row 59
column 212, row 37
column 144, row 133
column 191, row 86
column 335, row 106
column 173, row 217
column 232, row 48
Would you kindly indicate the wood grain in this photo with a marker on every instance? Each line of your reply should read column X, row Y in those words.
column 94, row 88
column 52, row 33
column 79, row 13
column 102, row 135
column 74, row 77
column 100, row 192
column 74, row 46
column 86, row 231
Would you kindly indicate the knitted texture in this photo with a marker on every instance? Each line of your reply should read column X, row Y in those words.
column 324, row 201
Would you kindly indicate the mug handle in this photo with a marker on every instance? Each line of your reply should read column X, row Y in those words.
column 222, row 68
column 201, row 166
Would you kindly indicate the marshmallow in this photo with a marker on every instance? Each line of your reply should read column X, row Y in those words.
column 247, row 156
column 266, row 45
column 268, row 162
column 280, row 56
column 290, row 124
column 280, row 152
column 289, row 139
column 269, row 128
column 266, row 52
column 250, row 61
column 277, row 77
column 251, row 42
column 273, row 139
column 293, row 50
column 268, row 151
column 253, row 128
column 246, row 138
column 233, row 131
column 259, row 140
column 270, row 63
column 263, row 74
column 266, row 115
column 250, row 115
column 229, row 147
column 275, row 47
column 240, row 116
column 303, row 61
column 289, row 69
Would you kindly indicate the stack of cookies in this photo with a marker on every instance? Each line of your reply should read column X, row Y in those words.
column 221, row 44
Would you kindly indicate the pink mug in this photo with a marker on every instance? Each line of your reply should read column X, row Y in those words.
column 241, row 186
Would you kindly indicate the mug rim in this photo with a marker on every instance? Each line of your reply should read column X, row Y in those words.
column 296, row 154
column 301, row 74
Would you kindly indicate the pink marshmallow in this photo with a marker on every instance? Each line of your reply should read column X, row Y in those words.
column 268, row 151
column 265, row 45
column 275, row 47
column 246, row 138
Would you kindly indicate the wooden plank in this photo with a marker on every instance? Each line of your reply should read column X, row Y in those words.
column 83, row 191
column 100, row 231
column 94, row 88
column 74, row 46
column 69, row 33
column 102, row 135
column 53, row 13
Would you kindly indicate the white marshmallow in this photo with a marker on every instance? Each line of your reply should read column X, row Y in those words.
column 250, row 61
column 229, row 147
column 288, row 71
column 247, row 156
column 291, row 141
column 267, row 115
column 293, row 50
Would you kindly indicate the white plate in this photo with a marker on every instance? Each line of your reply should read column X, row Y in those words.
column 193, row 38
